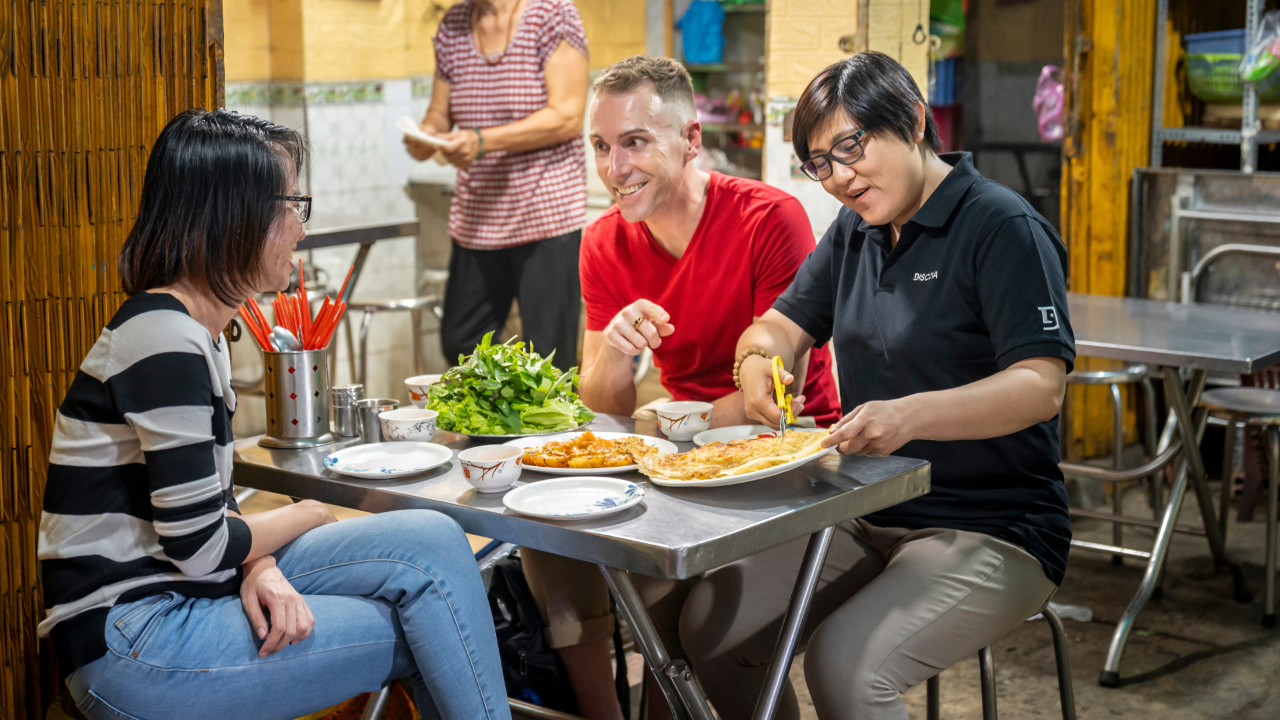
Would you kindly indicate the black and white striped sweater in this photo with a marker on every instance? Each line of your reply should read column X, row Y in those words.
column 139, row 476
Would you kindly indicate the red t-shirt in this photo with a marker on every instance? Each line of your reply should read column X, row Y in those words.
column 751, row 240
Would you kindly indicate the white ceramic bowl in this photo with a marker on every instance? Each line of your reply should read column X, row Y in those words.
column 491, row 468
column 414, row 424
column 682, row 420
column 417, row 387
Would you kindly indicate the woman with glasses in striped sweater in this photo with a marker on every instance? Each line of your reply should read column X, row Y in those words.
column 162, row 600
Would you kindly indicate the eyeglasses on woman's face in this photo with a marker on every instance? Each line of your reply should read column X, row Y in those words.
column 846, row 151
column 300, row 204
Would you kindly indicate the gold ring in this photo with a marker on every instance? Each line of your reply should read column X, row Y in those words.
column 636, row 324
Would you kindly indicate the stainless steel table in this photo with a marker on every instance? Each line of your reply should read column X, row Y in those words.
column 675, row 533
column 1199, row 338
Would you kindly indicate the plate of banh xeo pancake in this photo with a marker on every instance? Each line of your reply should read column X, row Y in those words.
column 737, row 461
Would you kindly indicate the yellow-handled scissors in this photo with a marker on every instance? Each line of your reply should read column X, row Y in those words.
column 784, row 398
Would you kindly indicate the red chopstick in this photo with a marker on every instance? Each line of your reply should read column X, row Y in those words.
column 343, row 292
column 254, row 329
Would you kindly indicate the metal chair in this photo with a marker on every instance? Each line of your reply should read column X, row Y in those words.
column 1133, row 374
column 987, row 673
column 1257, row 407
column 369, row 308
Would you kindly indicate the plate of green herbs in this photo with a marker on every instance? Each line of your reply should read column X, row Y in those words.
column 507, row 391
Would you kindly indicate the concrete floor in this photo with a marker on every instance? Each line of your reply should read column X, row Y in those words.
column 1194, row 654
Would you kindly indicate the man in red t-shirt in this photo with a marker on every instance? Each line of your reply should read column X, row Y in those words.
column 685, row 259
column 682, row 264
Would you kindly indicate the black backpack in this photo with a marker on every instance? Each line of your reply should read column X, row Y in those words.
column 532, row 670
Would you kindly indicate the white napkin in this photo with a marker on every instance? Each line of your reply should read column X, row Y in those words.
column 406, row 125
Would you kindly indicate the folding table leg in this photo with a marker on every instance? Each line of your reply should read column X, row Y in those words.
column 684, row 695
column 793, row 623
column 1273, row 488
column 1181, row 404
column 1110, row 675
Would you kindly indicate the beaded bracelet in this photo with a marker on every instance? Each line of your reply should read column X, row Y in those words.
column 737, row 363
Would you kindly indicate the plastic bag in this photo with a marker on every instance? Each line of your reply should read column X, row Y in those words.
column 702, row 33
column 1262, row 56
column 1048, row 103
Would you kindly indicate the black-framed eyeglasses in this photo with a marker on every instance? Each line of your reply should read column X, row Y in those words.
column 300, row 204
column 846, row 152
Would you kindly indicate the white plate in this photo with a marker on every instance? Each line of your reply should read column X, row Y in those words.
column 381, row 461
column 745, row 477
column 733, row 432
column 573, row 498
column 664, row 446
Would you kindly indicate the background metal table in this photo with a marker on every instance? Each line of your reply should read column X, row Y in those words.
column 1203, row 337
column 675, row 533
column 1174, row 336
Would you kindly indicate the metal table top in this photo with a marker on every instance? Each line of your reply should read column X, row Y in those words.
column 358, row 233
column 676, row 533
column 1204, row 337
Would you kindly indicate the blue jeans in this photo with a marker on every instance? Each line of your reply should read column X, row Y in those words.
column 393, row 595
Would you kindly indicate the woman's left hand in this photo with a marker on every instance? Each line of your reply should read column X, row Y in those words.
column 264, row 586
column 874, row 428
column 463, row 147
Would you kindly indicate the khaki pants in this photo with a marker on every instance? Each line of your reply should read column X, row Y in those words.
column 893, row 608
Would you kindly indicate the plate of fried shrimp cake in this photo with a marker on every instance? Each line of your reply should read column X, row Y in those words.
column 588, row 453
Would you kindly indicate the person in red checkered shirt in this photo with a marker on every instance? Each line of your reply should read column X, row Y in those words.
column 509, row 93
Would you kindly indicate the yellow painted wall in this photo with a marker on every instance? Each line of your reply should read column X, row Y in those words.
column 891, row 23
column 247, row 21
column 336, row 40
column 803, row 37
column 615, row 29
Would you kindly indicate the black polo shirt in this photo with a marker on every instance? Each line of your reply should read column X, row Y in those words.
column 975, row 284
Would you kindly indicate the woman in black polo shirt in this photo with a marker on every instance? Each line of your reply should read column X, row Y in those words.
column 944, row 297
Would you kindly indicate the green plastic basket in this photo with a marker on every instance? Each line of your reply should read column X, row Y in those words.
column 1215, row 79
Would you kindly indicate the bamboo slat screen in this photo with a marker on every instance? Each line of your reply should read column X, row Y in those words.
column 85, row 88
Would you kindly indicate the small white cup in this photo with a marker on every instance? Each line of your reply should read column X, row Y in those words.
column 682, row 420
column 408, row 424
column 491, row 468
column 417, row 386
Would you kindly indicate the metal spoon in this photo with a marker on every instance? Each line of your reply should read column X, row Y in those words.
column 285, row 340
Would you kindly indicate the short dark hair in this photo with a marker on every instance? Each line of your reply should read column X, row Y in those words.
column 874, row 90
column 208, row 202
column 669, row 79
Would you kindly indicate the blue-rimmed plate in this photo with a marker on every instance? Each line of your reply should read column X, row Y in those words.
column 575, row 498
column 383, row 461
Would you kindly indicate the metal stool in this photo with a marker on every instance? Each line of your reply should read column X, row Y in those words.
column 987, row 671
column 1252, row 406
column 414, row 306
column 1114, row 379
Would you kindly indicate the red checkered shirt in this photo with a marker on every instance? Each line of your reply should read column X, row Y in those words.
column 511, row 198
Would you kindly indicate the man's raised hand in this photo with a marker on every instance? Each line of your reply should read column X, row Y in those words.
column 637, row 326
